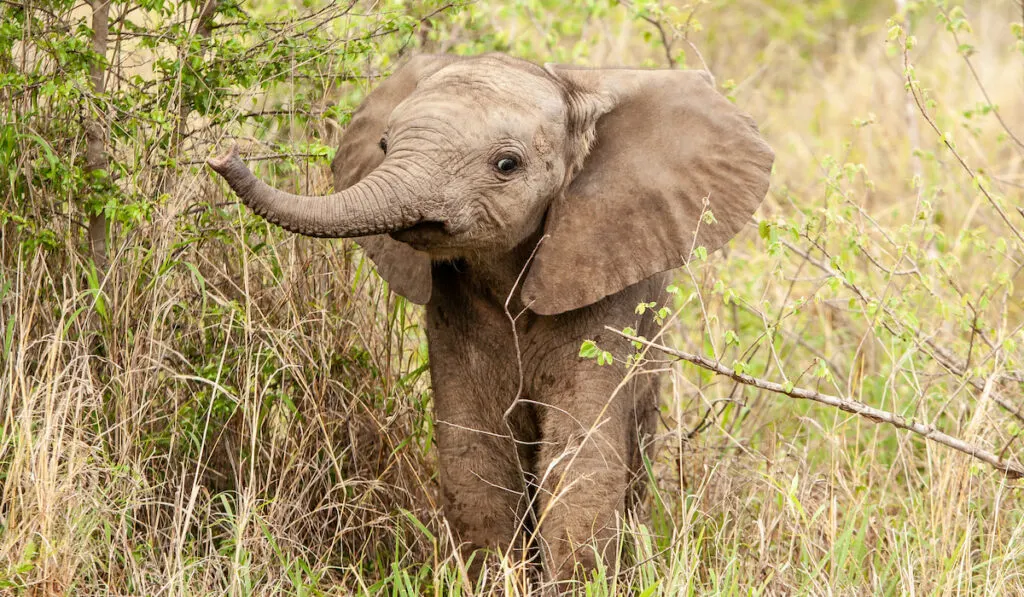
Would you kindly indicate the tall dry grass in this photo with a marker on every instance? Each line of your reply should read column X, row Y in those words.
column 229, row 409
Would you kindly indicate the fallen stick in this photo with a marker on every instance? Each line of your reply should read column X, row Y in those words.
column 1012, row 470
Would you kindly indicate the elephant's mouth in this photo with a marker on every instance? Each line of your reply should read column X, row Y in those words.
column 422, row 235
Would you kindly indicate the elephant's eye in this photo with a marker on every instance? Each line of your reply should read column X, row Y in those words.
column 383, row 144
column 506, row 165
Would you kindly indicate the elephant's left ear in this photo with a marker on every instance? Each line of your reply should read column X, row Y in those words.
column 665, row 148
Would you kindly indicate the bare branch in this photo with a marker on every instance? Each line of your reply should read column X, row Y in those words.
column 1012, row 470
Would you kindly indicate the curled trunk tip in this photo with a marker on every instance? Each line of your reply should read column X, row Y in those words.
column 226, row 162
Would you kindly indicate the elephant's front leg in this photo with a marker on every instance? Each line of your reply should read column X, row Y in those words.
column 484, row 453
column 584, row 469
column 482, row 473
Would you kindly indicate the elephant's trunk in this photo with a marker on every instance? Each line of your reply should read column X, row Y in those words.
column 371, row 206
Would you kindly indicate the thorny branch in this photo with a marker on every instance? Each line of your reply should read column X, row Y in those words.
column 1012, row 470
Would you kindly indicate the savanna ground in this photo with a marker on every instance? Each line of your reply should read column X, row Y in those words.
column 194, row 402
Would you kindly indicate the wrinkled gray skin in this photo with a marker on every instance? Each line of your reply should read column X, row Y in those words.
column 610, row 173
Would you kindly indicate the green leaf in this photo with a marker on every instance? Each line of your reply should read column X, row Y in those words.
column 589, row 349
column 643, row 307
column 895, row 30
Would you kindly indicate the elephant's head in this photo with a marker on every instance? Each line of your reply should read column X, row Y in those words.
column 464, row 157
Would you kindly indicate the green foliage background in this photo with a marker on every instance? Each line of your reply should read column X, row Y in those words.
column 209, row 405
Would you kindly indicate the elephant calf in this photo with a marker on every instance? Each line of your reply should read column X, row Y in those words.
column 527, row 208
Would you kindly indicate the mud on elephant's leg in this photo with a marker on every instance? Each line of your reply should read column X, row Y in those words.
column 585, row 475
column 482, row 484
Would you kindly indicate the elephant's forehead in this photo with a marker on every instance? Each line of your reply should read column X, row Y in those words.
column 480, row 124
column 488, row 84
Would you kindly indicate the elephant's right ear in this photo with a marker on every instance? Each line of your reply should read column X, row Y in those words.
column 664, row 148
column 405, row 269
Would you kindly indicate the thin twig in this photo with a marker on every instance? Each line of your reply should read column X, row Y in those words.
column 525, row 474
column 1012, row 470
column 515, row 332
column 926, row 344
column 664, row 39
column 912, row 129
column 260, row 158
column 981, row 86
column 914, row 88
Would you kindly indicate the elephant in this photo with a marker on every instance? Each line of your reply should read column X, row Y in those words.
column 528, row 207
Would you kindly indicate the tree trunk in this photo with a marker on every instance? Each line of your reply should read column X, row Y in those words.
column 96, row 128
